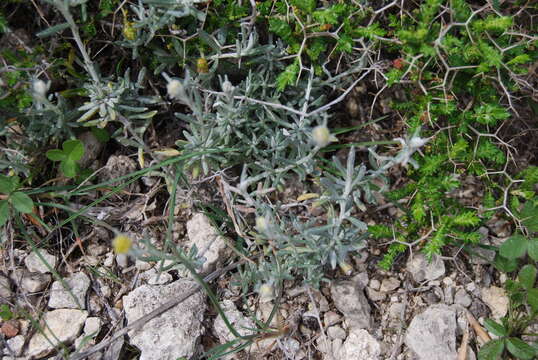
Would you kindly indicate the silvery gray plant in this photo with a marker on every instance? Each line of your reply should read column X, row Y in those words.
column 277, row 136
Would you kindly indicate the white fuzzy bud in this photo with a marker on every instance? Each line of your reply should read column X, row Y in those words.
column 40, row 88
column 175, row 89
column 322, row 136
column 417, row 142
column 261, row 224
column 266, row 292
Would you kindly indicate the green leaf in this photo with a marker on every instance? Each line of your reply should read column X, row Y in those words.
column 4, row 211
column 527, row 276
column 520, row 349
column 22, row 202
column 467, row 218
column 52, row 30
column 491, row 350
column 532, row 299
column 495, row 328
column 529, row 215
column 55, row 155
column 505, row 265
column 5, row 312
column 73, row 149
column 288, row 76
column 533, row 248
column 69, row 168
column 101, row 134
column 6, row 184
column 514, row 247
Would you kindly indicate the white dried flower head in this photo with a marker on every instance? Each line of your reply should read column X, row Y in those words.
column 40, row 88
column 266, row 292
column 322, row 136
column 417, row 142
column 175, row 89
column 227, row 87
column 261, row 224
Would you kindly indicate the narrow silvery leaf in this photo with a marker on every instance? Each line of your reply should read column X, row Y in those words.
column 53, row 30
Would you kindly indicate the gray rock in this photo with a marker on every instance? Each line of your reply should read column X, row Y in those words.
column 118, row 166
column 15, row 345
column 331, row 318
column 375, row 284
column 375, row 295
column 5, row 288
column 496, row 299
column 389, row 284
column 175, row 333
column 449, row 294
column 34, row 282
column 359, row 345
column 351, row 302
column 122, row 260
column 421, row 269
column 240, row 322
column 462, row 298
column 92, row 148
column 92, row 326
column 209, row 243
column 292, row 348
column 153, row 277
column 97, row 249
column 432, row 334
column 62, row 298
column 62, row 325
column 35, row 264
column 336, row 332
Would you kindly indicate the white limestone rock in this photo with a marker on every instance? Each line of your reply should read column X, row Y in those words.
column 172, row 335
column 62, row 325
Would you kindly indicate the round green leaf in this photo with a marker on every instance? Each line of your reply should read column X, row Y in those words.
column 505, row 265
column 55, row 155
column 514, row 247
column 495, row 328
column 22, row 202
column 532, row 299
column 527, row 276
column 491, row 350
column 520, row 349
column 533, row 248
column 73, row 149
column 69, row 168
column 4, row 212
column 6, row 184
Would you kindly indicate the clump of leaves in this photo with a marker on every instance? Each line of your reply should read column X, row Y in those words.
column 13, row 199
column 522, row 313
column 71, row 152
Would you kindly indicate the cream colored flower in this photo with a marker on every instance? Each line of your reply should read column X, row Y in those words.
column 322, row 136
column 175, row 89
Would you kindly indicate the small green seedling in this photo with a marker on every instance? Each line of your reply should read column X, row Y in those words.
column 19, row 200
column 518, row 245
column 522, row 312
column 72, row 151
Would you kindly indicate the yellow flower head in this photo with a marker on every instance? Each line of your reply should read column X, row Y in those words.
column 122, row 244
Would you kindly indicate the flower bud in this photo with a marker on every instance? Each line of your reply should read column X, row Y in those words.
column 322, row 137
column 201, row 66
column 175, row 89
column 266, row 292
column 261, row 224
column 40, row 88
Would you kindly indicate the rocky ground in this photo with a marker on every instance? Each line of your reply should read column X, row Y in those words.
column 420, row 310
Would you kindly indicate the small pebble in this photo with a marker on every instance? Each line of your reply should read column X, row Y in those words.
column 336, row 332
